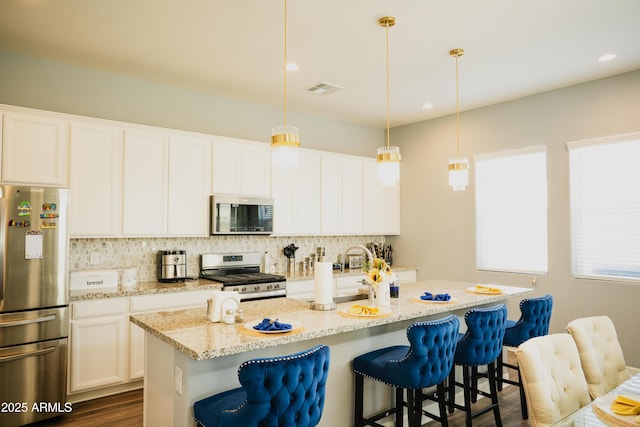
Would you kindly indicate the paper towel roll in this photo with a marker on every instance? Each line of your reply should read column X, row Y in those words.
column 323, row 275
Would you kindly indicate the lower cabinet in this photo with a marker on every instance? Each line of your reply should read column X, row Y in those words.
column 304, row 290
column 106, row 349
column 99, row 337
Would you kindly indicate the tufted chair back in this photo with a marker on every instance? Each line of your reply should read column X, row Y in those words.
column 534, row 321
column 430, row 356
column 286, row 391
column 600, row 353
column 552, row 378
column 482, row 343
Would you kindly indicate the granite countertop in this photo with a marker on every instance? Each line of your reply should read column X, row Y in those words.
column 152, row 288
column 190, row 332
column 146, row 288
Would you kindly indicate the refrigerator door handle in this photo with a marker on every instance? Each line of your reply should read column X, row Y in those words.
column 19, row 356
column 22, row 322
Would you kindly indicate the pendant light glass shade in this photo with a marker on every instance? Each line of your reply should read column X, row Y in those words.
column 285, row 140
column 458, row 166
column 458, row 173
column 388, row 157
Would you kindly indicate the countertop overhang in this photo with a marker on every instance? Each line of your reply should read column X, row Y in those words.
column 190, row 332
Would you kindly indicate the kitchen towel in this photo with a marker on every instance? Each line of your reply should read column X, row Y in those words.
column 323, row 286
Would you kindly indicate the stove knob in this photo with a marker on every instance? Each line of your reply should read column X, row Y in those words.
column 243, row 289
column 256, row 288
column 269, row 286
column 277, row 286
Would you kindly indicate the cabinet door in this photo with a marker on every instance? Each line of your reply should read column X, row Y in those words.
column 341, row 195
column 98, row 352
column 189, row 186
column 136, row 352
column 381, row 204
column 227, row 167
column 296, row 195
column 256, row 169
column 34, row 149
column 145, row 184
column 331, row 187
column 241, row 167
column 95, row 180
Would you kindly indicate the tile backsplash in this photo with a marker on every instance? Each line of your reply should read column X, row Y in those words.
column 141, row 253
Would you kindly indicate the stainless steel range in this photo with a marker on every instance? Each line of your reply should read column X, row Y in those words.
column 240, row 272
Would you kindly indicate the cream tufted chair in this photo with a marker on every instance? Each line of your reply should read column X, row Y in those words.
column 600, row 353
column 552, row 378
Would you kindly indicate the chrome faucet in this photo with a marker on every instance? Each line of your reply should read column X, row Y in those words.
column 362, row 248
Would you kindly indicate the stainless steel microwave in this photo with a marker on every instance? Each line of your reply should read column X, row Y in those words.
column 241, row 215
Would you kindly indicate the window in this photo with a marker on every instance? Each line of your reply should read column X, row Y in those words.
column 605, row 207
column 511, row 211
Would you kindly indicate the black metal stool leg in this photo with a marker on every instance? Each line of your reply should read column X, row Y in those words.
column 494, row 394
column 359, row 401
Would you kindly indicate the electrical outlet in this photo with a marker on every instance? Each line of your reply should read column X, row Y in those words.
column 178, row 380
column 534, row 280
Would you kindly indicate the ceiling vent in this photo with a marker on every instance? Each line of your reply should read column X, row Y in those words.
column 324, row 88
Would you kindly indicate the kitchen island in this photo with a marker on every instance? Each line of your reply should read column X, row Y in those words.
column 188, row 358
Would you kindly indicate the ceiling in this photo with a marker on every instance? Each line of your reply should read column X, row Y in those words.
column 234, row 48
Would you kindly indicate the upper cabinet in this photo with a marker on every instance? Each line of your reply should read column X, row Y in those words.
column 95, row 177
column 381, row 203
column 241, row 167
column 34, row 149
column 189, row 185
column 145, row 174
column 166, row 184
column 341, row 194
column 296, row 194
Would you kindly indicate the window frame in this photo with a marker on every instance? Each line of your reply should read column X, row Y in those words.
column 537, row 149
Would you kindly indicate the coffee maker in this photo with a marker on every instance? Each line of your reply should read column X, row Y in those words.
column 172, row 266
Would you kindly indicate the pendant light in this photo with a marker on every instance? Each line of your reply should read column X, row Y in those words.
column 285, row 140
column 458, row 166
column 388, row 157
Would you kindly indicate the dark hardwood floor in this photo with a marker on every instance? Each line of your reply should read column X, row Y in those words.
column 125, row 410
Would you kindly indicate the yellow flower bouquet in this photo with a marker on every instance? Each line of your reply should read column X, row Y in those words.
column 379, row 272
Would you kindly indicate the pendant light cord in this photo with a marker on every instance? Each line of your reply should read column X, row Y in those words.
column 387, row 61
column 457, row 112
column 284, row 65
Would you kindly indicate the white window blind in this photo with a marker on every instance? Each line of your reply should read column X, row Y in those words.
column 605, row 207
column 511, row 211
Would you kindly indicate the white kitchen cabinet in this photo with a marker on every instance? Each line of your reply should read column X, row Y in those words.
column 34, row 149
column 341, row 192
column 95, row 179
column 296, row 194
column 303, row 290
column 145, row 183
column 381, row 204
column 241, row 168
column 349, row 285
column 146, row 303
column 98, row 344
column 189, row 186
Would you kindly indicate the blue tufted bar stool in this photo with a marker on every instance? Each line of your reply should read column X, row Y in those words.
column 535, row 315
column 480, row 345
column 281, row 391
column 425, row 362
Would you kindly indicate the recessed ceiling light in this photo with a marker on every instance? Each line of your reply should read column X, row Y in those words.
column 427, row 105
column 292, row 67
column 607, row 57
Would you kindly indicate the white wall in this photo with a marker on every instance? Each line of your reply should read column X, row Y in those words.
column 439, row 225
column 45, row 85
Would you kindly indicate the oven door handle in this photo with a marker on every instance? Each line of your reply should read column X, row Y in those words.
column 25, row 355
column 23, row 322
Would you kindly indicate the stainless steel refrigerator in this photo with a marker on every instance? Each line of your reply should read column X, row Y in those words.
column 34, row 320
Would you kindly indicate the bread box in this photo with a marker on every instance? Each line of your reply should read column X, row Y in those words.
column 88, row 280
